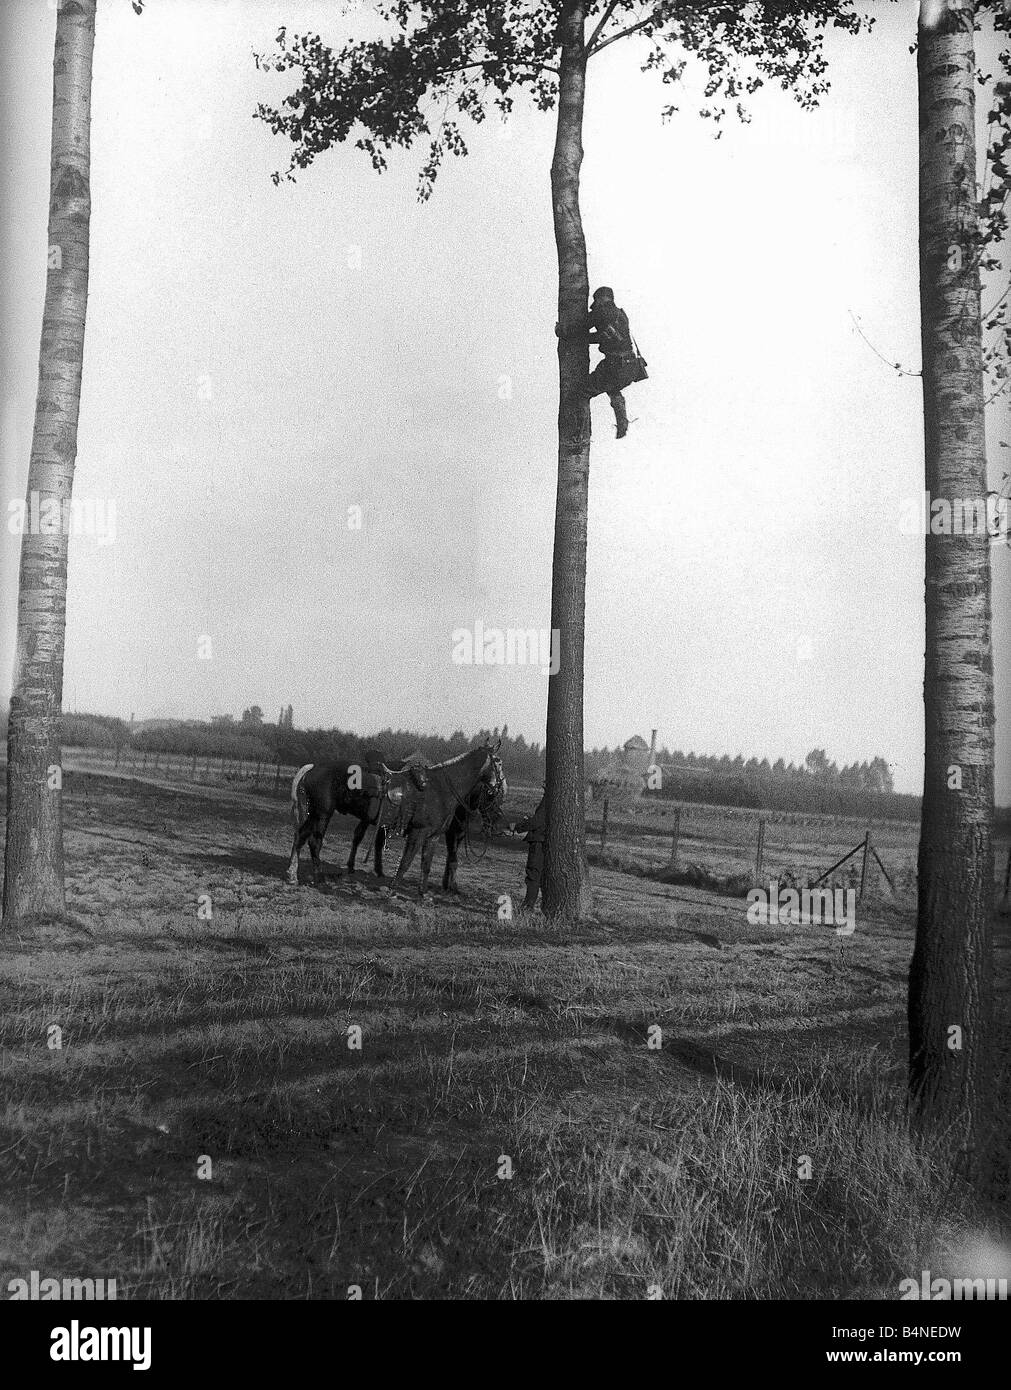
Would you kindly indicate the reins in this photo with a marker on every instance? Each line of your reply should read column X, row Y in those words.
column 386, row 781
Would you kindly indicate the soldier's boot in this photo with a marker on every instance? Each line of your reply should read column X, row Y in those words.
column 620, row 414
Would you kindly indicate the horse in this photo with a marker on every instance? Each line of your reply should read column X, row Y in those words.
column 350, row 789
column 456, row 789
column 486, row 801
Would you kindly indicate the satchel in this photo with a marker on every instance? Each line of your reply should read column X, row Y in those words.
column 639, row 366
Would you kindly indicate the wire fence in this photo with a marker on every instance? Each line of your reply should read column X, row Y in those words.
column 256, row 774
column 734, row 844
column 692, row 841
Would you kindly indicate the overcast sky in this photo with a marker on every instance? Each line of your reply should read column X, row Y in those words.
column 259, row 360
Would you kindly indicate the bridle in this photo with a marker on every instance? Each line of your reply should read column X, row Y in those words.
column 492, row 792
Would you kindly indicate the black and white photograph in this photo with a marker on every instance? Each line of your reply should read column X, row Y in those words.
column 505, row 601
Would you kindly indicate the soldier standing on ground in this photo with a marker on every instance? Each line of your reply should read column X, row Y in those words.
column 536, row 827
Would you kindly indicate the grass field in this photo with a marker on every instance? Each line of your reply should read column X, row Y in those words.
column 505, row 1128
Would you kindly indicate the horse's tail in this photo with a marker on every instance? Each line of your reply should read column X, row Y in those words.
column 299, row 805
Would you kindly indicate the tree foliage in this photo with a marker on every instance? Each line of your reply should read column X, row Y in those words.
column 992, row 206
column 439, row 65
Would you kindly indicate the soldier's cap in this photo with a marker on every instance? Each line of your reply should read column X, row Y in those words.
column 605, row 292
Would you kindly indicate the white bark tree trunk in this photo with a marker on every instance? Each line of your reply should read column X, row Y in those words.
column 33, row 861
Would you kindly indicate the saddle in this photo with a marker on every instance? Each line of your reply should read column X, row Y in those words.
column 391, row 783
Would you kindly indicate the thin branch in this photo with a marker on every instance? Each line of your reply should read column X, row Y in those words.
column 987, row 167
column 895, row 366
column 596, row 33
column 493, row 62
column 623, row 34
column 988, row 313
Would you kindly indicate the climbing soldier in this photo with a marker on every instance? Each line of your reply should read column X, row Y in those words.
column 607, row 328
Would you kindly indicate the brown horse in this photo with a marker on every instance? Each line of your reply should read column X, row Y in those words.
column 363, row 790
column 455, row 790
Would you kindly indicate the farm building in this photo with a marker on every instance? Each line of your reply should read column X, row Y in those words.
column 624, row 777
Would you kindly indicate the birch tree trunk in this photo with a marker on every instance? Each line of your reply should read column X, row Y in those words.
column 950, row 977
column 33, row 861
column 566, row 878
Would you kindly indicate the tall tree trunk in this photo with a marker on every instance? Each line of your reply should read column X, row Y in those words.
column 33, row 862
column 566, row 878
column 950, row 977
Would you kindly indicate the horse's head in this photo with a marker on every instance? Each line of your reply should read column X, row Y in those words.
column 492, row 783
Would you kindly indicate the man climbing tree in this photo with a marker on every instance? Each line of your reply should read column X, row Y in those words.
column 607, row 328
column 621, row 364
column 460, row 60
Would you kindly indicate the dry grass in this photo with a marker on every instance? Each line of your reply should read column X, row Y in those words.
column 482, row 1040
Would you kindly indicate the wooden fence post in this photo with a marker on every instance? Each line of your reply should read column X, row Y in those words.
column 760, row 850
column 1007, row 873
column 863, row 866
column 277, row 776
column 675, row 836
column 603, row 826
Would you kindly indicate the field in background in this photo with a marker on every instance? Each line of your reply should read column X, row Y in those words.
column 716, row 844
column 505, row 1129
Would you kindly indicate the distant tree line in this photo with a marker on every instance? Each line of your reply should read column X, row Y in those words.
column 804, row 794
column 872, row 776
column 817, row 786
column 223, row 736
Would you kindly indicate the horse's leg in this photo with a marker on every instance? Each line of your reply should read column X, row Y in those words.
column 380, row 846
column 449, row 874
column 301, row 835
column 356, row 840
column 316, row 835
column 427, row 855
column 291, row 874
column 406, row 859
